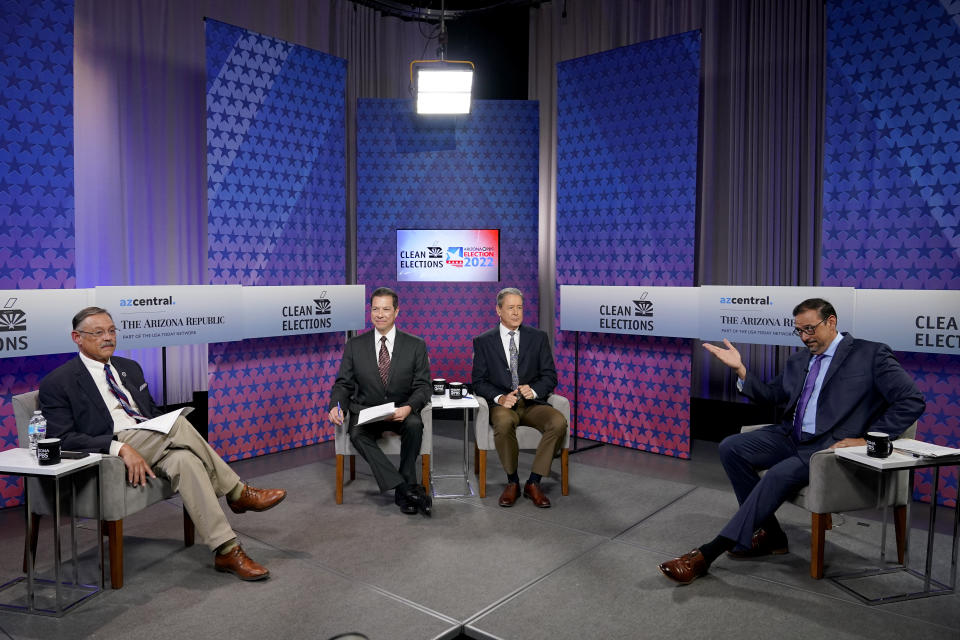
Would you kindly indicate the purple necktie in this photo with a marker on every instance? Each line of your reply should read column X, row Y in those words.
column 383, row 361
column 808, row 385
column 121, row 396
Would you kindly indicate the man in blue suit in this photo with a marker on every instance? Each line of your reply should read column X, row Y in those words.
column 513, row 371
column 835, row 391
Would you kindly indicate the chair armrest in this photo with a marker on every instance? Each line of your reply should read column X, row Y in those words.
column 483, row 432
column 837, row 485
column 562, row 404
column 426, row 415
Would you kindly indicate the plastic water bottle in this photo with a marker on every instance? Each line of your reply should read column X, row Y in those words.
column 36, row 431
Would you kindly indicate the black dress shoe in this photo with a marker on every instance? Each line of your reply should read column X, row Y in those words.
column 405, row 502
column 424, row 500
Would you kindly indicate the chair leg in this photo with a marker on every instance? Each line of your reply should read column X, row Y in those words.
column 339, row 478
column 30, row 546
column 482, row 481
column 900, row 526
column 476, row 459
column 353, row 467
column 189, row 530
column 565, row 472
column 114, row 530
column 425, row 471
column 819, row 523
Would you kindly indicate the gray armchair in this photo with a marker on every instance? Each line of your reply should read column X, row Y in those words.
column 118, row 498
column 527, row 438
column 389, row 443
column 836, row 486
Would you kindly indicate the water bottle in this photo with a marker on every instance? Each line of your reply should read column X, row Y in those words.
column 36, row 431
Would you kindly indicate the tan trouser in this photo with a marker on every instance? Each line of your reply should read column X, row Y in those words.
column 542, row 417
column 194, row 469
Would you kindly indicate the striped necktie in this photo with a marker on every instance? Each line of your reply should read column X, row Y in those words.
column 383, row 362
column 121, row 396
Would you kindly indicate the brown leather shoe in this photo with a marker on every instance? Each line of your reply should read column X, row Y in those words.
column 239, row 563
column 510, row 494
column 532, row 490
column 253, row 499
column 686, row 568
column 762, row 544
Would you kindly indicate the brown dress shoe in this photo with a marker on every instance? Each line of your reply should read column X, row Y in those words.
column 532, row 490
column 686, row 568
column 510, row 494
column 253, row 499
column 239, row 563
column 762, row 544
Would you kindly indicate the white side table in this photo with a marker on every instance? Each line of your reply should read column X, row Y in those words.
column 467, row 403
column 66, row 594
column 895, row 462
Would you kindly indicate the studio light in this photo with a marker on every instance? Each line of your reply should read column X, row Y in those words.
column 443, row 86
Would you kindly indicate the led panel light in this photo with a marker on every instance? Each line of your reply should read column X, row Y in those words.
column 444, row 90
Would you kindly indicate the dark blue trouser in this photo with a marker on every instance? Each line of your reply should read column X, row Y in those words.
column 787, row 468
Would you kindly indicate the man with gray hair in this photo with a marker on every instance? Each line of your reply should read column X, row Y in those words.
column 94, row 403
column 513, row 371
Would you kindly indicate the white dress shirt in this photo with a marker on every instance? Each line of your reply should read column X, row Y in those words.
column 391, row 338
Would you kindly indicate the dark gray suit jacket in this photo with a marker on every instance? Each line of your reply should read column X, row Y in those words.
column 535, row 367
column 74, row 408
column 358, row 383
column 865, row 389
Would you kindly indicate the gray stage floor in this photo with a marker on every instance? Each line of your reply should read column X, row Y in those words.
column 587, row 568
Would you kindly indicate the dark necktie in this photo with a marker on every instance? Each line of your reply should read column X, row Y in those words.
column 514, row 361
column 808, row 385
column 121, row 396
column 383, row 362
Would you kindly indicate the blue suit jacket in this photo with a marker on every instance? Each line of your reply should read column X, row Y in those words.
column 74, row 408
column 535, row 367
column 865, row 389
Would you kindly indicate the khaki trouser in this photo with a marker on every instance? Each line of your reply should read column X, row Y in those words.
column 542, row 417
column 194, row 469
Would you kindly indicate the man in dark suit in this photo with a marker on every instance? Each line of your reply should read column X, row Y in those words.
column 513, row 371
column 95, row 402
column 378, row 367
column 835, row 391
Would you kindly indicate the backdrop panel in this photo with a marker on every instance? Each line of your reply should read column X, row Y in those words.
column 891, row 180
column 477, row 171
column 36, row 180
column 626, row 215
column 276, row 197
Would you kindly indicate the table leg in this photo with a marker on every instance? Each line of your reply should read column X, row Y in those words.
column 56, row 544
column 882, row 492
column 32, row 554
column 73, row 530
column 931, row 530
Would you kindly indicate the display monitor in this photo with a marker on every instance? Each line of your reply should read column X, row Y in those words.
column 448, row 255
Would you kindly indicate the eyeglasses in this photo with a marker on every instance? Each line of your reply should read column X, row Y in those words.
column 808, row 330
column 99, row 333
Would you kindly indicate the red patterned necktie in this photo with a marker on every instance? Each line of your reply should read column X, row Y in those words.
column 121, row 396
column 384, row 360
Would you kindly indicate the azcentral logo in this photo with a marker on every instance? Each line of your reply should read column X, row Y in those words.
column 455, row 256
column 12, row 319
column 751, row 300
column 147, row 302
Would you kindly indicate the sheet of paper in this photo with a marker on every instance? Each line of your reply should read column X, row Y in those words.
column 379, row 412
column 163, row 423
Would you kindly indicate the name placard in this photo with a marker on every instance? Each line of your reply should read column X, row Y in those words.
column 927, row 321
column 282, row 311
column 36, row 322
column 162, row 316
column 651, row 311
column 764, row 315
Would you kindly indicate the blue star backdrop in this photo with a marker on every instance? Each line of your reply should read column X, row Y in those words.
column 892, row 151
column 36, row 179
column 477, row 171
column 626, row 215
column 277, row 204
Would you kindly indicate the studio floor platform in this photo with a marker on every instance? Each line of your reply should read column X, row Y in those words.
column 586, row 568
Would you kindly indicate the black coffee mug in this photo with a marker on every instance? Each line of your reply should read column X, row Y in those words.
column 439, row 386
column 878, row 444
column 48, row 451
column 456, row 390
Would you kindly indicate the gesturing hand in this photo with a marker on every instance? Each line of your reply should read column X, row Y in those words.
column 728, row 356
